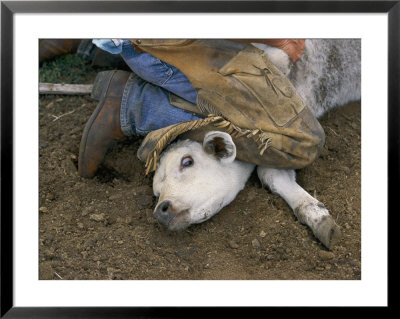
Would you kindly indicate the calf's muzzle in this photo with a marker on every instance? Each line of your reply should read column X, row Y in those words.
column 164, row 213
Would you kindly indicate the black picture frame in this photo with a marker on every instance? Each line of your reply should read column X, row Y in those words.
column 9, row 8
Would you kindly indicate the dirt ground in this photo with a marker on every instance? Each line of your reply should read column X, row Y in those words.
column 103, row 228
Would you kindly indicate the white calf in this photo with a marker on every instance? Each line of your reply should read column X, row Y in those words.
column 194, row 182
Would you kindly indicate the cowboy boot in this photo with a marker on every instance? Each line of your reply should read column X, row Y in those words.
column 103, row 128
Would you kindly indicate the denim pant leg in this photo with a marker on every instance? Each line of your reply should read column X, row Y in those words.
column 145, row 107
column 158, row 72
column 145, row 104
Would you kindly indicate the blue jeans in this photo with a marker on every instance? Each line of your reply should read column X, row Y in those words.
column 145, row 105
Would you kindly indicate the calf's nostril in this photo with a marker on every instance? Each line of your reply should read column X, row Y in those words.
column 163, row 213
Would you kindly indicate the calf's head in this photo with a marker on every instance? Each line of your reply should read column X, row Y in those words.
column 193, row 181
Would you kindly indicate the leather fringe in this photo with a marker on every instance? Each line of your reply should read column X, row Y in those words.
column 261, row 138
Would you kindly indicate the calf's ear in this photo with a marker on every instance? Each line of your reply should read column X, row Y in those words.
column 220, row 145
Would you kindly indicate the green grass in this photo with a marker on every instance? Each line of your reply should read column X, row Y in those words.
column 69, row 68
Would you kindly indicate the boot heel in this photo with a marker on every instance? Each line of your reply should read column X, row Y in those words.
column 101, row 83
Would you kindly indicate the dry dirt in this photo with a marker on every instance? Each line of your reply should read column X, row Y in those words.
column 103, row 228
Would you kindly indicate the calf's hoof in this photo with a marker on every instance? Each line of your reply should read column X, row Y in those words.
column 327, row 231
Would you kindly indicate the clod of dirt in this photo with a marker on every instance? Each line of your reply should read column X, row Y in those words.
column 43, row 209
column 97, row 217
column 255, row 243
column 233, row 244
column 326, row 255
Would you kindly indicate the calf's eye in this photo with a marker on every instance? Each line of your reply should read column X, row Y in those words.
column 187, row 161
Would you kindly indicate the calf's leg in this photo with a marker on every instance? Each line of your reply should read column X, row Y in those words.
column 307, row 209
